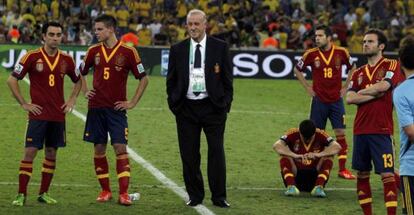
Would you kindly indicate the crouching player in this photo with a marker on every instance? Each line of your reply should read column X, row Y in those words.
column 306, row 159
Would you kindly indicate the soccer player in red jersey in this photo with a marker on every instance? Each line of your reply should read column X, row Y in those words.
column 46, row 67
column 111, row 61
column 326, row 63
column 306, row 159
column 371, row 90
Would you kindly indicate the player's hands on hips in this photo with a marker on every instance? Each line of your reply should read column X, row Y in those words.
column 32, row 108
column 90, row 93
column 343, row 91
column 68, row 106
column 310, row 91
column 123, row 105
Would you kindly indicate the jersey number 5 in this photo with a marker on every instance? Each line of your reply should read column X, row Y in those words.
column 106, row 73
column 327, row 72
column 388, row 161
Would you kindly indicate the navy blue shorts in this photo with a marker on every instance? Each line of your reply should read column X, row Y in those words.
column 407, row 184
column 48, row 133
column 101, row 121
column 373, row 148
column 320, row 112
column 305, row 179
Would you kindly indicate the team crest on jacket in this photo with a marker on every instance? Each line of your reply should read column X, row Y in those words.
column 97, row 59
column 216, row 68
column 337, row 62
column 119, row 62
column 39, row 65
column 317, row 62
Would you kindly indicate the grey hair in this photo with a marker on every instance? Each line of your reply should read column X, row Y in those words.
column 197, row 11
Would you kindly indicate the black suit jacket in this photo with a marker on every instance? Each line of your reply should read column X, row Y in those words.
column 218, row 74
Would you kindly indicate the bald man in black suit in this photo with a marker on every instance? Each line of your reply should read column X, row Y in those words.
column 200, row 92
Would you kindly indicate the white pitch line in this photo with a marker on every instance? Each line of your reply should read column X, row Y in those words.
column 5, row 183
column 201, row 209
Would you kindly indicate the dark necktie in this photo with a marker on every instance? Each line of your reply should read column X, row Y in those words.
column 197, row 62
column 197, row 58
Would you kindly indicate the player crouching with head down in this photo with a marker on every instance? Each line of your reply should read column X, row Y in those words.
column 306, row 159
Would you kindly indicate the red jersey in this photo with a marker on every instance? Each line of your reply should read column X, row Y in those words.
column 375, row 116
column 296, row 145
column 326, row 71
column 46, row 75
column 111, row 68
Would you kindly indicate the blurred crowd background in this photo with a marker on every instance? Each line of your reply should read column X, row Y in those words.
column 278, row 24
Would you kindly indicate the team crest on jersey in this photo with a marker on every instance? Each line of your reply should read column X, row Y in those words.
column 337, row 62
column 97, row 59
column 119, row 62
column 39, row 65
column 296, row 146
column 317, row 62
column 63, row 67
column 380, row 74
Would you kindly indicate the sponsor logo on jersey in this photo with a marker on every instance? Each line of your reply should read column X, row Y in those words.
column 360, row 78
column 317, row 62
column 97, row 59
column 39, row 65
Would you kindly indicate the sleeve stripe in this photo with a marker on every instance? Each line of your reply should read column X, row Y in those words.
column 137, row 58
column 26, row 56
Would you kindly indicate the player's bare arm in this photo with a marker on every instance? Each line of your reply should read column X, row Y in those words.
column 355, row 98
column 282, row 149
column 332, row 149
column 126, row 105
column 70, row 103
column 303, row 81
column 377, row 89
column 35, row 109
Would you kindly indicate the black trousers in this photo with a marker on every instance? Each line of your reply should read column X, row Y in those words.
column 195, row 116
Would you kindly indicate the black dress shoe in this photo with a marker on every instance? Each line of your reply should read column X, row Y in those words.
column 193, row 203
column 221, row 203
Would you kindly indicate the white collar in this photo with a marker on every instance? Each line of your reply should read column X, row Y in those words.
column 202, row 42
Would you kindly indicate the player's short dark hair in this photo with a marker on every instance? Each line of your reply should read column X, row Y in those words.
column 51, row 23
column 307, row 129
column 406, row 52
column 382, row 39
column 108, row 20
column 326, row 29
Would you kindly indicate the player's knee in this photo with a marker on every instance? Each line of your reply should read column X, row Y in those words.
column 100, row 149
column 361, row 174
column 120, row 149
column 50, row 153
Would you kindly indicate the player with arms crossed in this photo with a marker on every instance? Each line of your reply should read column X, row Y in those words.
column 111, row 61
column 326, row 62
column 306, row 159
column 371, row 90
column 47, row 67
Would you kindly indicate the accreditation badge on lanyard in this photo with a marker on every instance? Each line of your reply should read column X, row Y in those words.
column 197, row 80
